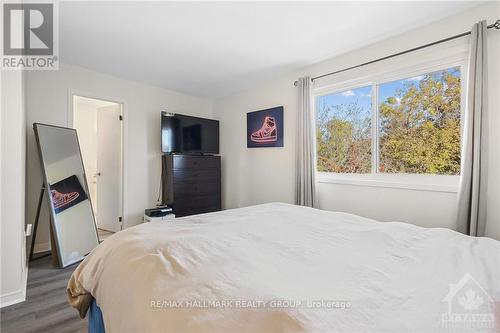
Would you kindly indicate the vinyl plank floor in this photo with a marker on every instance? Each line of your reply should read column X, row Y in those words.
column 103, row 234
column 46, row 308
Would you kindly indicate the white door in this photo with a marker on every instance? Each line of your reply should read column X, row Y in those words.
column 109, row 167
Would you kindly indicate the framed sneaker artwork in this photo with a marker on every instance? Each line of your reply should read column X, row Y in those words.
column 265, row 128
column 67, row 193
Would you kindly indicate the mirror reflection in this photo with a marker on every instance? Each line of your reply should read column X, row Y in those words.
column 73, row 220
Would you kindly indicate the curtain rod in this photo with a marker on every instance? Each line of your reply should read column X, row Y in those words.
column 495, row 25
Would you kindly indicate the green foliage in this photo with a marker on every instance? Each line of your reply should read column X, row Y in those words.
column 344, row 140
column 419, row 131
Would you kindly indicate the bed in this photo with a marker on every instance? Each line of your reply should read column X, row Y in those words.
column 284, row 268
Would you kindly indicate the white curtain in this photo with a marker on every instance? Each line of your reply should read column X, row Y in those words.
column 305, row 193
column 473, row 179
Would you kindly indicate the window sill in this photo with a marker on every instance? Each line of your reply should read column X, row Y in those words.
column 429, row 183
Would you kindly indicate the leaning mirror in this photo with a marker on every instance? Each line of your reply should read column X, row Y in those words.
column 72, row 219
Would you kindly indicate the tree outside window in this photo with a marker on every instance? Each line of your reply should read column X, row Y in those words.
column 418, row 128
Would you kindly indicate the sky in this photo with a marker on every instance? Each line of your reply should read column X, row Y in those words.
column 363, row 95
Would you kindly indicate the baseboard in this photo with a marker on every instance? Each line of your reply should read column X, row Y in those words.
column 41, row 247
column 16, row 296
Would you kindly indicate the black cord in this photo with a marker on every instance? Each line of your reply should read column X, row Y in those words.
column 160, row 187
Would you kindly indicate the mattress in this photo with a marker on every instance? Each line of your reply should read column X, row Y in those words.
column 283, row 268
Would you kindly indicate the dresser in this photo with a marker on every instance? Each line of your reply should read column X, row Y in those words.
column 191, row 183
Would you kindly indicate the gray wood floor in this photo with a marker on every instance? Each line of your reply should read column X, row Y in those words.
column 46, row 308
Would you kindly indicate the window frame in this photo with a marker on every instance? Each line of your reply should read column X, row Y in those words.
column 422, row 182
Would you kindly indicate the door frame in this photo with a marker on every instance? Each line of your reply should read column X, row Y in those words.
column 72, row 93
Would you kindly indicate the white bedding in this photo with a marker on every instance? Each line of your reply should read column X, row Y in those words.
column 390, row 277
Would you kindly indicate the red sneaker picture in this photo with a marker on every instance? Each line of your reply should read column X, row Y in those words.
column 62, row 199
column 265, row 128
column 267, row 133
column 67, row 193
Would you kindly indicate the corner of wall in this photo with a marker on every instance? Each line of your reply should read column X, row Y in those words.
column 14, row 269
column 16, row 296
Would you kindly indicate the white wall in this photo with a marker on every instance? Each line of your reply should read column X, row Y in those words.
column 252, row 176
column 493, row 226
column 48, row 99
column 13, row 270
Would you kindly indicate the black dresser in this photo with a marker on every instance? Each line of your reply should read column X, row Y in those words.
column 191, row 183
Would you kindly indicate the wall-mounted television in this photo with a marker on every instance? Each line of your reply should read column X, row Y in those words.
column 181, row 134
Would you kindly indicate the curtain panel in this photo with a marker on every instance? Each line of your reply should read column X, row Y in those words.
column 305, row 193
column 473, row 178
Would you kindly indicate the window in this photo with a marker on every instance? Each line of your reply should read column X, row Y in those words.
column 344, row 131
column 417, row 127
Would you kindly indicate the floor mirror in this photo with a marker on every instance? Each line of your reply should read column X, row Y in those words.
column 72, row 218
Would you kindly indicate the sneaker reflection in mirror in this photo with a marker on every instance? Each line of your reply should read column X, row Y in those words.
column 61, row 199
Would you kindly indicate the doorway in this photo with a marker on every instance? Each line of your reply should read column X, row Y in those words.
column 99, row 125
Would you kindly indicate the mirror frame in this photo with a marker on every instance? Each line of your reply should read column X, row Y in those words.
column 49, row 197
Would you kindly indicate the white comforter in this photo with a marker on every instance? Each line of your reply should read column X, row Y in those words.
column 278, row 267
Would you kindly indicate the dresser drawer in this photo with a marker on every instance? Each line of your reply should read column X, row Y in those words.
column 197, row 205
column 196, row 175
column 189, row 189
column 195, row 211
column 196, row 162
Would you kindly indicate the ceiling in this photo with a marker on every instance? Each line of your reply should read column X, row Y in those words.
column 214, row 49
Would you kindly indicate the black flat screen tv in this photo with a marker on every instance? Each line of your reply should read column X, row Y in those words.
column 181, row 134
